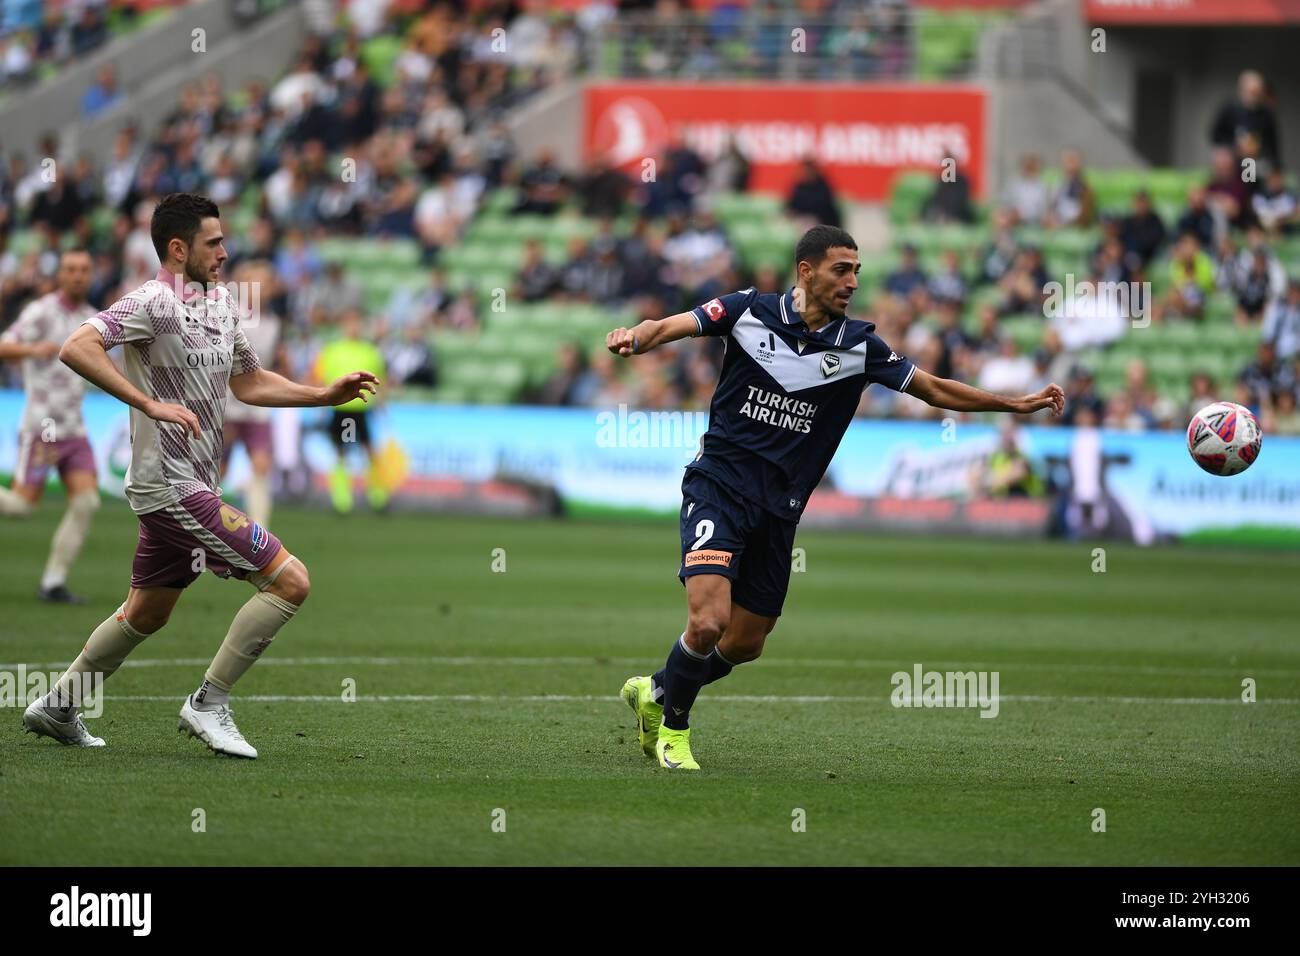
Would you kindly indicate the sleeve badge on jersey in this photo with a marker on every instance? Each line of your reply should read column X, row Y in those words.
column 714, row 309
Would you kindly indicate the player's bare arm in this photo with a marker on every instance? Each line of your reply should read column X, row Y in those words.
column 271, row 390
column 15, row 351
column 959, row 397
column 651, row 334
column 85, row 353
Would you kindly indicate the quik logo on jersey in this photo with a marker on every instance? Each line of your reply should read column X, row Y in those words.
column 830, row 364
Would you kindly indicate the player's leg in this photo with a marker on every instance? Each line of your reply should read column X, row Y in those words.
column 29, row 479
column 239, row 547
column 343, row 430
column 742, row 642
column 21, row 500
column 258, row 494
column 755, row 602
column 728, row 625
column 256, row 439
column 689, row 666
column 376, row 490
column 145, row 611
column 758, row 597
column 282, row 587
column 77, row 470
column 714, row 528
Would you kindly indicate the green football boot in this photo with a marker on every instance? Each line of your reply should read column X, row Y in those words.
column 673, row 748
column 649, row 715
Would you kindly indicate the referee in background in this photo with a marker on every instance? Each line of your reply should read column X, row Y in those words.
column 350, row 423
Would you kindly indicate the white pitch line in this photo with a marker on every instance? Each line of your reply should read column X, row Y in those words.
column 725, row 698
column 787, row 662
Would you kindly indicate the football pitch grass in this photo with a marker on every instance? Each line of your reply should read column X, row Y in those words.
column 482, row 691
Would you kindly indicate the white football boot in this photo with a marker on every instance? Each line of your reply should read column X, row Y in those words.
column 73, row 733
column 216, row 728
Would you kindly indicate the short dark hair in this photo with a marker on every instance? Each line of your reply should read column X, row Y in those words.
column 814, row 243
column 178, row 216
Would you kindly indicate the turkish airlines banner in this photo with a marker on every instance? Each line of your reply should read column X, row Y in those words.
column 1163, row 12
column 861, row 135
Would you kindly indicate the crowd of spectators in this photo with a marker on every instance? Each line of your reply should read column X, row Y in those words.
column 836, row 39
column 325, row 150
column 38, row 34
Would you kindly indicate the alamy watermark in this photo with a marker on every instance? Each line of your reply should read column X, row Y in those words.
column 922, row 688
column 20, row 687
column 638, row 429
column 1098, row 300
column 245, row 297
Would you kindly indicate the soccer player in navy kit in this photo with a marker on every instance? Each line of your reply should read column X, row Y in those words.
column 794, row 369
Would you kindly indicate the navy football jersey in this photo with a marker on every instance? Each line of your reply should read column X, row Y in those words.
column 786, row 395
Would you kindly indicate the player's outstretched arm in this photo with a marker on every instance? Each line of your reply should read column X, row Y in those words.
column 269, row 389
column 958, row 397
column 651, row 334
column 86, row 354
column 15, row 351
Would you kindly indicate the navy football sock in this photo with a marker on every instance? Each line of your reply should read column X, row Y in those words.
column 683, row 676
column 719, row 667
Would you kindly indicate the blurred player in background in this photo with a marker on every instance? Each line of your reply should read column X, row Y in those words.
column 350, row 424
column 793, row 373
column 249, row 424
column 52, row 434
column 184, row 348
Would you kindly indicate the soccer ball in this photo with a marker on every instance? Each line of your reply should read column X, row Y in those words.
column 1224, row 438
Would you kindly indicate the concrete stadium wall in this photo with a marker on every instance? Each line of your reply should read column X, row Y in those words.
column 1205, row 64
column 551, row 121
column 140, row 57
column 1039, row 116
column 1053, row 42
column 265, row 50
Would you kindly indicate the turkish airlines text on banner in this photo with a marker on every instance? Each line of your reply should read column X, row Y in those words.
column 862, row 135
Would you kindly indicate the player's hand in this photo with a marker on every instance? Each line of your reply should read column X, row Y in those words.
column 622, row 342
column 165, row 412
column 1052, row 397
column 45, row 350
column 356, row 385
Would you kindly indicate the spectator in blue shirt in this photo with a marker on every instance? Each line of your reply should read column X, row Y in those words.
column 102, row 93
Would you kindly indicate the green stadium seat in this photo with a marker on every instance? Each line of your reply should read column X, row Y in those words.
column 1026, row 331
column 907, row 194
column 380, row 56
column 734, row 208
column 24, row 241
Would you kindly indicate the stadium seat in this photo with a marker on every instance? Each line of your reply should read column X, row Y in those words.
column 907, row 194
column 380, row 56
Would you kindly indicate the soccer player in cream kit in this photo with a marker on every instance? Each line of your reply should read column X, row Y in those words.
column 52, row 434
column 794, row 370
column 184, row 346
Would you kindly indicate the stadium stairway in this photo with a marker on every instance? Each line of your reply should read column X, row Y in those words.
column 159, row 47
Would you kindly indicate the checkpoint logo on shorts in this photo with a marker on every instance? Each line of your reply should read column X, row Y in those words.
column 259, row 537
column 714, row 309
column 722, row 558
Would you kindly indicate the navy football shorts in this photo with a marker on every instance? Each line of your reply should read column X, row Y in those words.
column 728, row 535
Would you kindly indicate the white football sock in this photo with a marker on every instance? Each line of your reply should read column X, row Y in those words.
column 258, row 498
column 69, row 537
column 251, row 632
column 105, row 650
column 14, row 505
